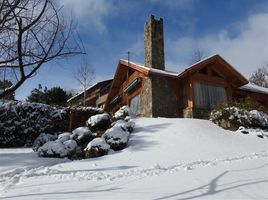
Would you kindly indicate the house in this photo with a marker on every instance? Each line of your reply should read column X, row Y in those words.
column 152, row 91
column 95, row 96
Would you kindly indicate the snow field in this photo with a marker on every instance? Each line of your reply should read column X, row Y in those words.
column 165, row 159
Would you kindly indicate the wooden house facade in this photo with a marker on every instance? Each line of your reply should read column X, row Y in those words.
column 152, row 91
column 95, row 96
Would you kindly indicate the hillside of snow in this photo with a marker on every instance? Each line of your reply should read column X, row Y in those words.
column 165, row 159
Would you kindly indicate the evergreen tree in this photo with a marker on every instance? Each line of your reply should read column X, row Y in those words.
column 38, row 95
column 55, row 96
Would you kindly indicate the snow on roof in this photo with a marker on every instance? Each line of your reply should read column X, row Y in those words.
column 206, row 58
column 81, row 92
column 86, row 90
column 254, row 88
column 153, row 70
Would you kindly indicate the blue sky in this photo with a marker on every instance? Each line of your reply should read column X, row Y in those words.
column 235, row 29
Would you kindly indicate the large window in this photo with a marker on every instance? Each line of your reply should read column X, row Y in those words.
column 207, row 96
column 135, row 105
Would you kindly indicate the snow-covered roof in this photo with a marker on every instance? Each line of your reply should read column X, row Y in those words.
column 254, row 88
column 171, row 73
column 242, row 78
column 86, row 90
column 200, row 61
column 153, row 70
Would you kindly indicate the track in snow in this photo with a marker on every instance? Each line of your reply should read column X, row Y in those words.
column 13, row 177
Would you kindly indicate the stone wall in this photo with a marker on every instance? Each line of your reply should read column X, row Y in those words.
column 165, row 101
column 158, row 99
column 146, row 98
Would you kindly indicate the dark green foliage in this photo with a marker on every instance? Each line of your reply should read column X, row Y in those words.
column 55, row 96
column 244, row 104
column 38, row 95
column 235, row 114
column 5, row 84
column 21, row 123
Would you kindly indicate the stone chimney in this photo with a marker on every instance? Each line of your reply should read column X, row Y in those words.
column 157, row 97
column 154, row 44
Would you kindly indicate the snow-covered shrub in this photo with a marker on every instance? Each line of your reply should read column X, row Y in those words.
column 82, row 135
column 231, row 117
column 64, row 137
column 96, row 148
column 129, row 126
column 59, row 149
column 122, row 113
column 42, row 139
column 53, row 149
column 22, row 122
column 80, row 115
column 125, row 125
column 253, row 131
column 71, row 146
column 99, row 122
column 116, row 137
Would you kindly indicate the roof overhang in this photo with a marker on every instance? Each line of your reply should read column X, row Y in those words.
column 215, row 59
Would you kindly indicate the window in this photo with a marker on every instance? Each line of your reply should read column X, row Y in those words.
column 207, row 96
column 135, row 104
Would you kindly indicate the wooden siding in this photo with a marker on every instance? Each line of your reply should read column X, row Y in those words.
column 214, row 71
column 125, row 97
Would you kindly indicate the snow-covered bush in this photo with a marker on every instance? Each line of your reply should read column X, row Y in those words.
column 42, row 139
column 64, row 137
column 80, row 115
column 53, row 149
column 96, row 148
column 64, row 146
column 82, row 135
column 22, row 122
column 125, row 125
column 231, row 117
column 253, row 131
column 99, row 122
column 116, row 137
column 122, row 113
column 71, row 146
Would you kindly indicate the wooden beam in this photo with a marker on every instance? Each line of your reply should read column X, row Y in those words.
column 209, row 79
column 191, row 93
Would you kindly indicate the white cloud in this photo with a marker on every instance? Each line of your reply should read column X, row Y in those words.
column 90, row 13
column 175, row 4
column 246, row 51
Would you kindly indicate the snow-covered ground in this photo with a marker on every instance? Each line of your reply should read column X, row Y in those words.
column 166, row 159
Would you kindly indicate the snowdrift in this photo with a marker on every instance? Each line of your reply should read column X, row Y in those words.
column 165, row 159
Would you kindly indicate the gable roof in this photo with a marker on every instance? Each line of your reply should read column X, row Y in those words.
column 89, row 88
column 190, row 69
column 214, row 58
column 146, row 70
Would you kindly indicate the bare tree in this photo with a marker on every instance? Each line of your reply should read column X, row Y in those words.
column 260, row 76
column 198, row 54
column 32, row 32
column 84, row 75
